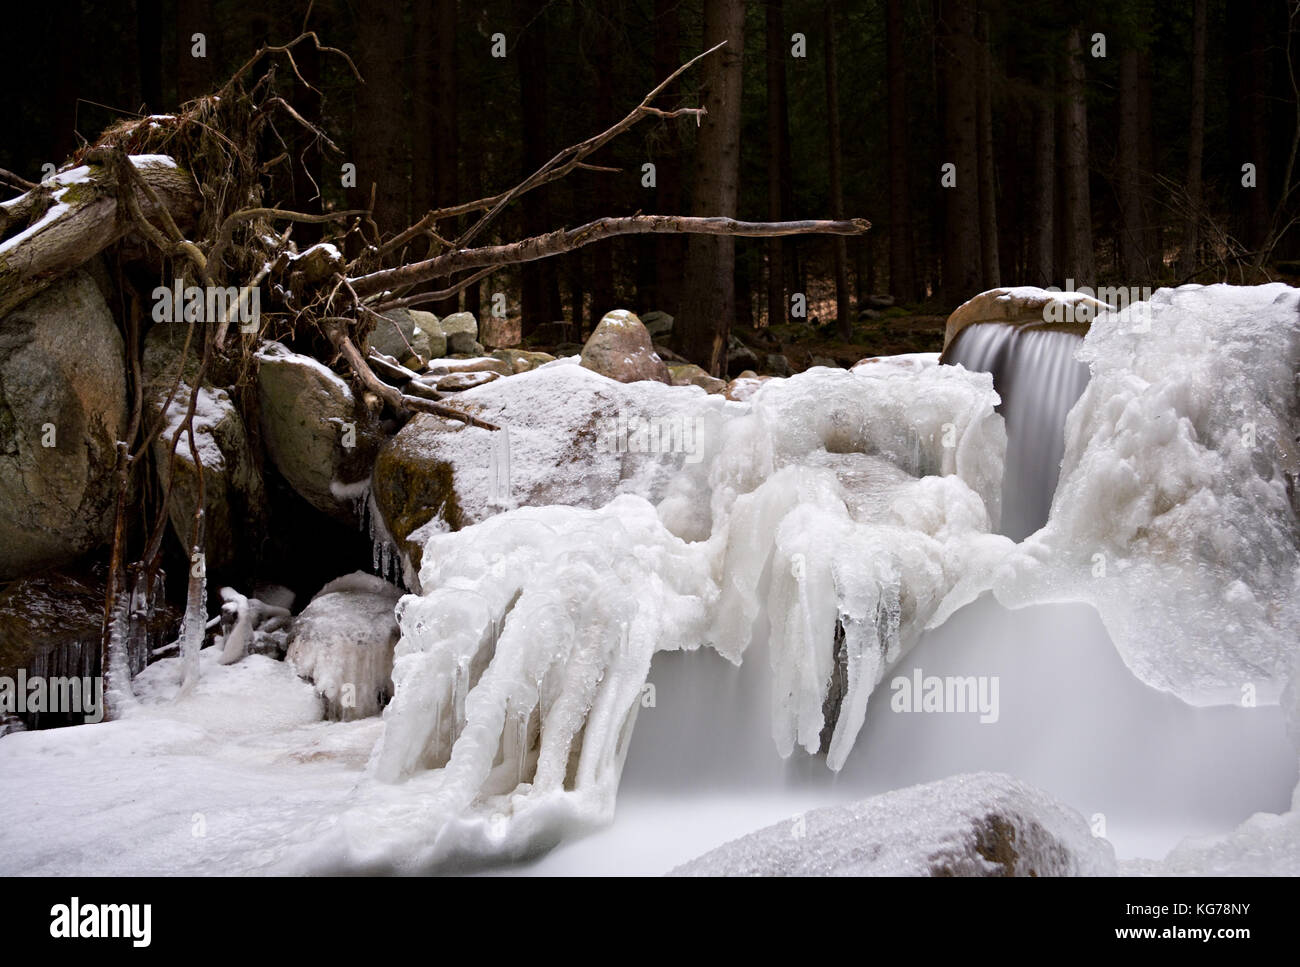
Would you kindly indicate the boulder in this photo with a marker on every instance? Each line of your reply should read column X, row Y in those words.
column 402, row 334
column 658, row 324
column 777, row 364
column 620, row 348
column 521, row 360
column 569, row 437
column 343, row 644
column 1025, row 306
column 461, row 330
column 688, row 374
column 984, row 824
column 63, row 406
column 234, row 497
column 318, row 435
column 430, row 340
column 739, row 357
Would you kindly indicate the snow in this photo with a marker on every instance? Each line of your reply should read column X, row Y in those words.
column 52, row 214
column 1172, row 516
column 969, row 825
column 212, row 408
column 153, row 161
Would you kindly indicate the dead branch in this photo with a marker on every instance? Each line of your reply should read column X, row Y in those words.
column 559, row 166
column 566, row 240
column 335, row 329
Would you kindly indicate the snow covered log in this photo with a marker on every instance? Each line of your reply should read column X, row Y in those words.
column 984, row 824
column 74, row 215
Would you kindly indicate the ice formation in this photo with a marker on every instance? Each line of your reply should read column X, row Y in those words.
column 853, row 509
column 343, row 643
column 1175, row 512
column 973, row 825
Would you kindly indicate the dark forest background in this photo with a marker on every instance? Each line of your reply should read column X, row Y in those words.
column 1125, row 168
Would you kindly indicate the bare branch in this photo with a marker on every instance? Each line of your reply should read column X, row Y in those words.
column 566, row 240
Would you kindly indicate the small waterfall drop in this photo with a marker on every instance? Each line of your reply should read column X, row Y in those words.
column 1039, row 380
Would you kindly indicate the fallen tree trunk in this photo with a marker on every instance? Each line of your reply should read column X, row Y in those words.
column 73, row 216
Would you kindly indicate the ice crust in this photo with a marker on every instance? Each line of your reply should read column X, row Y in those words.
column 1175, row 512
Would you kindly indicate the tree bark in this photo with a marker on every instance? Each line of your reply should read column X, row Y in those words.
column 959, row 60
column 537, row 282
column 777, row 308
column 708, row 303
column 380, row 146
column 1079, row 264
column 1042, row 213
column 902, row 279
column 1195, row 143
column 1130, row 177
column 843, row 301
column 670, row 252
column 989, row 255
column 567, row 240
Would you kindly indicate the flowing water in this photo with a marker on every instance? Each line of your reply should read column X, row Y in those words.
column 1039, row 380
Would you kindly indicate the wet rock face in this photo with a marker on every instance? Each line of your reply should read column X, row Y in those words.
column 620, row 348
column 62, row 409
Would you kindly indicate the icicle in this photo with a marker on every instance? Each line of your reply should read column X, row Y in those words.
column 195, row 621
column 521, row 745
column 499, row 466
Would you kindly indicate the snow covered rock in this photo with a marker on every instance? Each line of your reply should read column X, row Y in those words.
column 62, row 408
column 1025, row 305
column 343, row 643
column 571, row 436
column 318, row 434
column 984, row 824
column 234, row 496
column 1174, row 513
column 620, row 348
